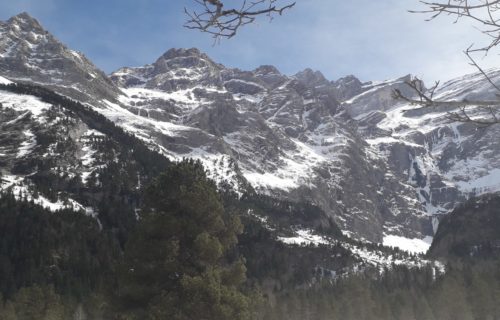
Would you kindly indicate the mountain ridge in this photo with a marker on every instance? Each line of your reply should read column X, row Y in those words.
column 344, row 145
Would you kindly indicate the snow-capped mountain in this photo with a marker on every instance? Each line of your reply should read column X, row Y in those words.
column 381, row 171
column 444, row 161
column 289, row 136
column 29, row 53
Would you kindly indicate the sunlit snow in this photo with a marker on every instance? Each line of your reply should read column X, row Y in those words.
column 4, row 80
column 28, row 145
column 304, row 237
column 410, row 245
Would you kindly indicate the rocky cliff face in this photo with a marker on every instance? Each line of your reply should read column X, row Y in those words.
column 29, row 53
column 290, row 137
column 347, row 146
column 444, row 162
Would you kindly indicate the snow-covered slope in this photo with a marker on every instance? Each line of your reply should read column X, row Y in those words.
column 444, row 161
column 32, row 136
column 288, row 136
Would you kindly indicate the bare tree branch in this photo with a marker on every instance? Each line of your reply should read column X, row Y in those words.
column 476, row 65
column 462, row 115
column 214, row 19
column 486, row 112
column 425, row 98
column 487, row 14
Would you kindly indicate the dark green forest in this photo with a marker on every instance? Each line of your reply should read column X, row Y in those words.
column 183, row 260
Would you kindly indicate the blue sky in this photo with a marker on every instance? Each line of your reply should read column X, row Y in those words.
column 372, row 39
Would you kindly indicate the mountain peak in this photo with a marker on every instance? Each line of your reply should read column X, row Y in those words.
column 26, row 48
column 349, row 77
column 266, row 70
column 347, row 87
column 24, row 21
column 23, row 15
column 311, row 77
column 184, row 58
column 182, row 52
column 348, row 80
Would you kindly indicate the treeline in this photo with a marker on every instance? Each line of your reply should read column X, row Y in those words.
column 277, row 267
column 283, row 213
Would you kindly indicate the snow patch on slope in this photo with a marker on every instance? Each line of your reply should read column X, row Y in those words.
column 367, row 254
column 410, row 245
column 219, row 167
column 304, row 237
column 474, row 175
column 296, row 169
column 4, row 80
column 490, row 182
column 21, row 191
column 28, row 145
column 23, row 103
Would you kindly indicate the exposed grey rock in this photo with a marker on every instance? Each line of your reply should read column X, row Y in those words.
column 312, row 78
column 29, row 53
column 348, row 87
column 373, row 166
column 176, row 69
column 377, row 96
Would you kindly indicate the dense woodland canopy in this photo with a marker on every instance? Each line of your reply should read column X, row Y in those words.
column 138, row 286
column 55, row 264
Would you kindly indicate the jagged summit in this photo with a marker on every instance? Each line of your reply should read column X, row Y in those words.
column 312, row 78
column 183, row 52
column 266, row 70
column 175, row 69
column 25, row 21
column 348, row 87
column 30, row 53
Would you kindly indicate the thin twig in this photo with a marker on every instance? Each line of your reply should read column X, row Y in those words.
column 225, row 23
column 487, row 14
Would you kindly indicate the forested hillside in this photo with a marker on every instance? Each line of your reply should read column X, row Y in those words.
column 56, row 265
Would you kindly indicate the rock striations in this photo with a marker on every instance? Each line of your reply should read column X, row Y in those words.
column 374, row 165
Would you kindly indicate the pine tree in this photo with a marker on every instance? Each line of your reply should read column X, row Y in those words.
column 176, row 264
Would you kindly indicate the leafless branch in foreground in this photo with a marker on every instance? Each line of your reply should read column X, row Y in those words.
column 462, row 115
column 484, row 12
column 487, row 14
column 488, row 110
column 215, row 19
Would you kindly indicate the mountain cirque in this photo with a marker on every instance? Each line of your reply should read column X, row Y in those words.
column 379, row 168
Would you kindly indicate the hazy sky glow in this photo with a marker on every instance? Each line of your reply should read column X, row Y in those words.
column 372, row 39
